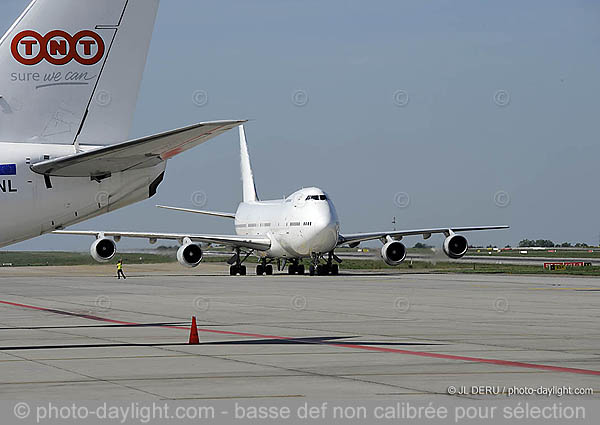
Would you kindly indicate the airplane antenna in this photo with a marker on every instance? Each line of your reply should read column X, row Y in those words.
column 394, row 223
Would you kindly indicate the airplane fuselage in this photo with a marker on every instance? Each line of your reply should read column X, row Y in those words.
column 32, row 205
column 300, row 225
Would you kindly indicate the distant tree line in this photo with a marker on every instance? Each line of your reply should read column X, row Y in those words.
column 546, row 243
column 166, row 248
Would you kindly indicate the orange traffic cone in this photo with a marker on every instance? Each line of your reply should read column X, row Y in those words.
column 194, row 332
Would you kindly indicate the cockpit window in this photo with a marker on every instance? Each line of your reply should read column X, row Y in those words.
column 316, row 198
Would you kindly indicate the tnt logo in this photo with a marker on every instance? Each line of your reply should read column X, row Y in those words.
column 58, row 47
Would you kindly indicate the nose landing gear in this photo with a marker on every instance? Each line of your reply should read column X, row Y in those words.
column 329, row 268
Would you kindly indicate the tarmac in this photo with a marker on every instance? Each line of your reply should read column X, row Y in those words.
column 78, row 332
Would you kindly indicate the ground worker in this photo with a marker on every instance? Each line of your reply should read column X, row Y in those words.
column 120, row 270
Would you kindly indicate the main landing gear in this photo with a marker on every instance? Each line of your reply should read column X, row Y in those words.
column 264, row 268
column 330, row 267
column 236, row 264
column 237, row 267
column 235, row 270
column 296, row 268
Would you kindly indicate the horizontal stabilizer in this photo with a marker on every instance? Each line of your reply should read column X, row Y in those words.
column 213, row 213
column 140, row 153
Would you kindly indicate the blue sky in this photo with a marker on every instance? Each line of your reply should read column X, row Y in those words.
column 482, row 112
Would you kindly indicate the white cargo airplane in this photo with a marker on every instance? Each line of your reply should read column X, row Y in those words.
column 70, row 72
column 303, row 225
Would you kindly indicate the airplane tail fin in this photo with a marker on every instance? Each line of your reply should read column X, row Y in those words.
column 70, row 70
column 248, row 186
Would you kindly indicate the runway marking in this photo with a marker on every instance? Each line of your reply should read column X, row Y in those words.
column 498, row 362
column 233, row 397
column 270, row 341
column 563, row 288
column 41, row 328
column 211, row 377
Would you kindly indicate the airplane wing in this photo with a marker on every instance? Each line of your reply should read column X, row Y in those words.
column 134, row 154
column 213, row 213
column 259, row 243
column 356, row 238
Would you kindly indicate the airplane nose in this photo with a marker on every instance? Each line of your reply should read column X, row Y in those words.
column 323, row 225
column 325, row 228
column 324, row 218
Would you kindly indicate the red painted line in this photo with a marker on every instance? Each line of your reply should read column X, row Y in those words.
column 66, row 313
column 120, row 322
column 471, row 359
column 497, row 362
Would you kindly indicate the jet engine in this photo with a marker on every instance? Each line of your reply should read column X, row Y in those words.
column 393, row 253
column 103, row 250
column 189, row 255
column 455, row 246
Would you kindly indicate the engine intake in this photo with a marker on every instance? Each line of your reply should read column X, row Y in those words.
column 189, row 255
column 455, row 246
column 103, row 250
column 393, row 253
